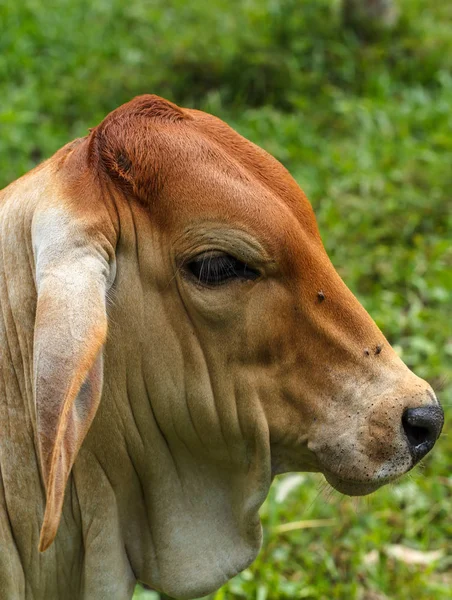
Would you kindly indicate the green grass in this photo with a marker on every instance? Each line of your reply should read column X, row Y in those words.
column 366, row 128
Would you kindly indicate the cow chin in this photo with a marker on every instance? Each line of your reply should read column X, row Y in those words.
column 357, row 465
column 350, row 487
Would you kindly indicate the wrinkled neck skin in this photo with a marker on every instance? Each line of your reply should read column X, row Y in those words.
column 158, row 492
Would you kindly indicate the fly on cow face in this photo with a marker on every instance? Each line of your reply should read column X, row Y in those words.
column 176, row 337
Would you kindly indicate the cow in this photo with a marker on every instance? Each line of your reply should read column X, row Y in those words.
column 172, row 336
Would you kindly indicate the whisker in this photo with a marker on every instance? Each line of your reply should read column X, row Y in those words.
column 179, row 268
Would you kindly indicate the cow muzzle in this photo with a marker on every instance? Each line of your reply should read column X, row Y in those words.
column 365, row 448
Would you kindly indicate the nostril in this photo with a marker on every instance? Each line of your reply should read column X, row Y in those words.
column 416, row 435
column 422, row 427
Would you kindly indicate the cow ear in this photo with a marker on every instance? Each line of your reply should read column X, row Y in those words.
column 72, row 277
column 129, row 145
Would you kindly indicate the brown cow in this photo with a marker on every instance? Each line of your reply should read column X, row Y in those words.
column 172, row 335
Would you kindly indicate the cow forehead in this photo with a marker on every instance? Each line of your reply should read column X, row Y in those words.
column 215, row 175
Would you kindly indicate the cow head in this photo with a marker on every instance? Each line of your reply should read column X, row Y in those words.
column 234, row 351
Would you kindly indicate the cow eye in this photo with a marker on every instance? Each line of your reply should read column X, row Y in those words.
column 216, row 269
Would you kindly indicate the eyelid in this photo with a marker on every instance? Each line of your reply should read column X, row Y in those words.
column 218, row 238
column 213, row 276
column 252, row 259
column 209, row 253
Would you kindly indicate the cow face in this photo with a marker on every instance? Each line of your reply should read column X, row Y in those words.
column 249, row 274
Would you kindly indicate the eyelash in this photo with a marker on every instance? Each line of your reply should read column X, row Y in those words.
column 217, row 269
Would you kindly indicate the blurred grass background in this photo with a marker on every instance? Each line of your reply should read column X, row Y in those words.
column 364, row 123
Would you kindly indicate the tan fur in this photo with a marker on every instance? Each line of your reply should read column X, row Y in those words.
column 143, row 451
